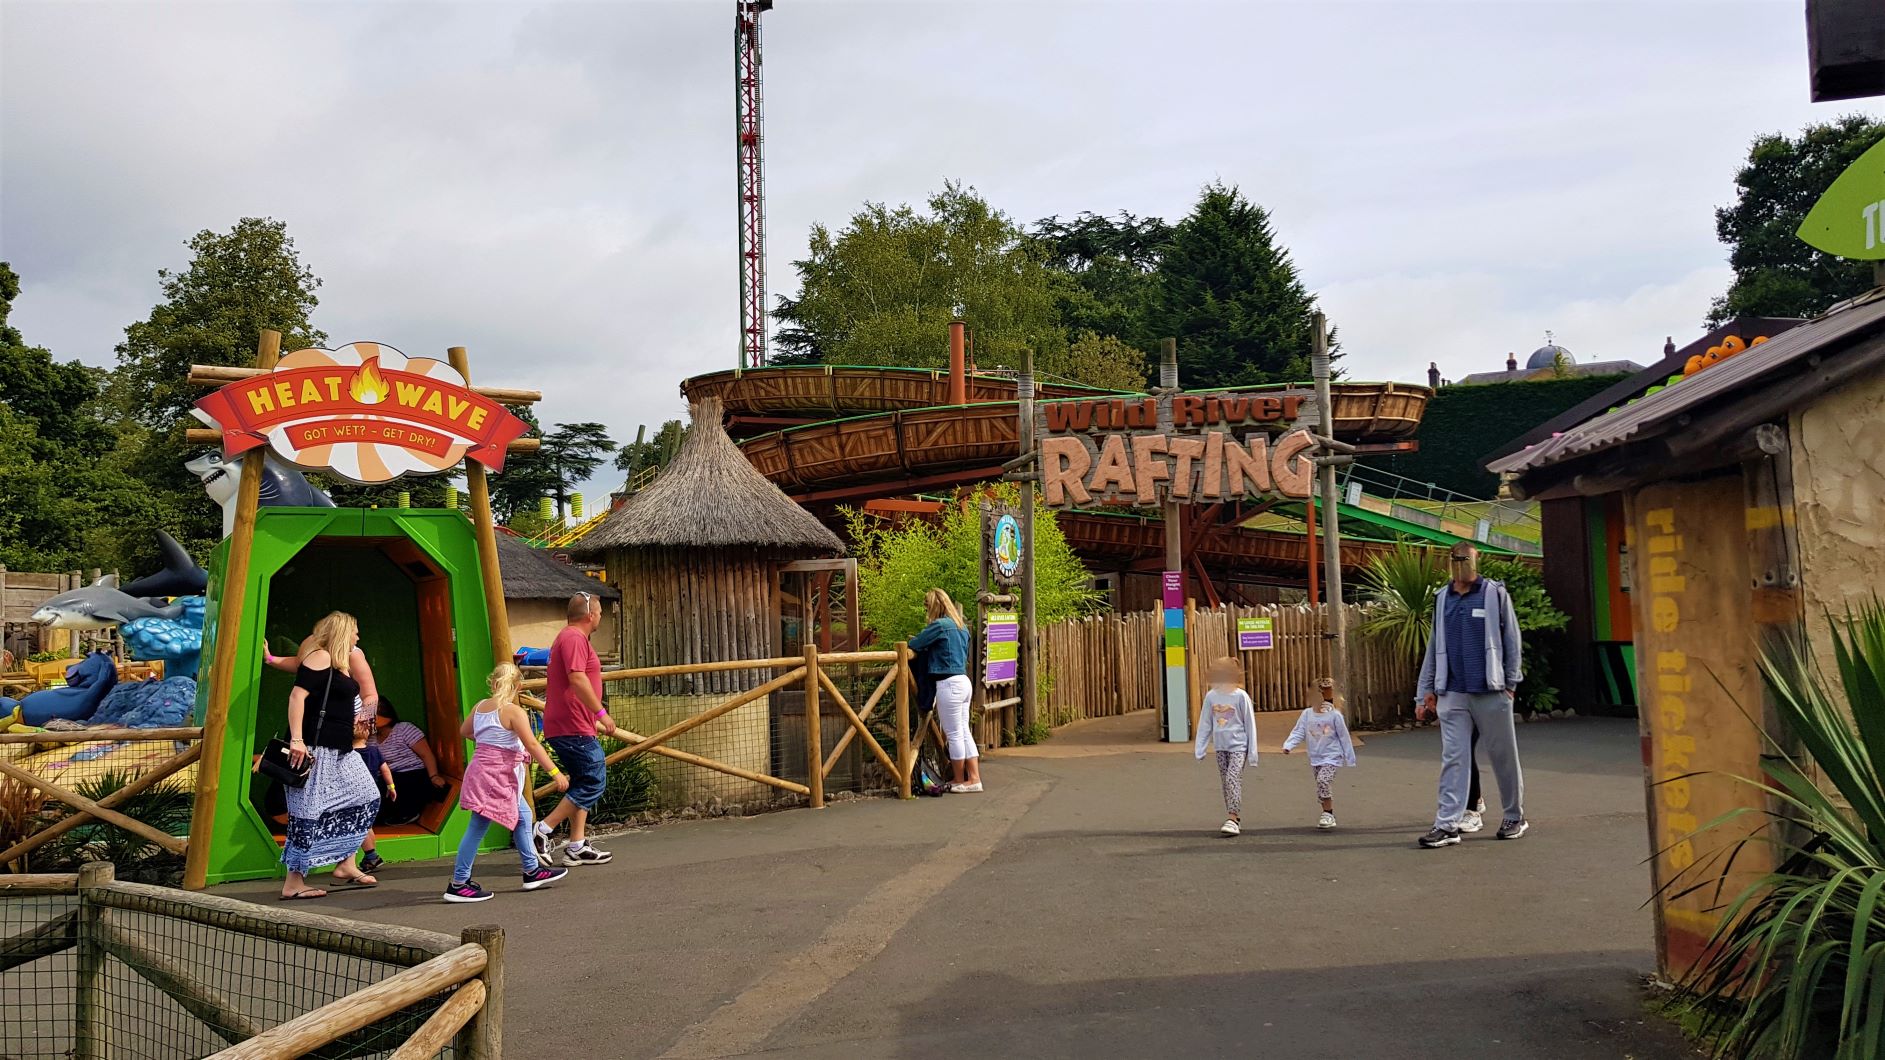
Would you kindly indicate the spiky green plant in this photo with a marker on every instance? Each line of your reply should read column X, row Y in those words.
column 1797, row 969
column 1399, row 588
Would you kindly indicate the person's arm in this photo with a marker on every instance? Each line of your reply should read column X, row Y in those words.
column 1249, row 710
column 297, row 710
column 386, row 774
column 363, row 674
column 1341, row 736
column 423, row 748
column 1423, row 691
column 285, row 663
column 517, row 722
column 1297, row 734
column 927, row 636
column 1205, row 725
column 1514, row 660
column 586, row 695
column 464, row 727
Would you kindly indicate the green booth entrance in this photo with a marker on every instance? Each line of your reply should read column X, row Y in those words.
column 412, row 578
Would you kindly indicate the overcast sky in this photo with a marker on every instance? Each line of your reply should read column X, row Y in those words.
column 552, row 185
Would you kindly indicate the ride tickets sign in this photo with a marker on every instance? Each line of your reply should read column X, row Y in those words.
column 365, row 412
column 1090, row 454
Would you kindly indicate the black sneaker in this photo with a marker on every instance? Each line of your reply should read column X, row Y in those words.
column 1514, row 829
column 542, row 843
column 1440, row 837
column 372, row 863
column 468, row 891
column 544, row 876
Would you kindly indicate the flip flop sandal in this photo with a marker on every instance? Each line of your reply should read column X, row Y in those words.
column 359, row 882
column 306, row 894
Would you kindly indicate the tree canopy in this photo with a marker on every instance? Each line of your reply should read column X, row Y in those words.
column 1776, row 274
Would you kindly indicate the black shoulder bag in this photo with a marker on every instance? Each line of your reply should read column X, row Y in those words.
column 278, row 765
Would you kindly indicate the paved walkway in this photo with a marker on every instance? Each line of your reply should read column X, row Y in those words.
column 1086, row 907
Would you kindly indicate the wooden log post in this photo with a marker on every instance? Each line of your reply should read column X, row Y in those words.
column 483, row 1037
column 814, row 746
column 904, row 762
column 230, row 601
column 93, row 1015
column 497, row 613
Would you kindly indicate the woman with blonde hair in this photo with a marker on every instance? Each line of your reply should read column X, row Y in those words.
column 943, row 650
column 330, row 814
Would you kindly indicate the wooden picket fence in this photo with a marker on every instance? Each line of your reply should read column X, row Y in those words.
column 1110, row 664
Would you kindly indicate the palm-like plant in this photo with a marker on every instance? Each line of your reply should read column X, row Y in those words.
column 1797, row 967
column 1399, row 588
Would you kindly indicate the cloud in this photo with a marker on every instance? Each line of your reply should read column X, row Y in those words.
column 551, row 185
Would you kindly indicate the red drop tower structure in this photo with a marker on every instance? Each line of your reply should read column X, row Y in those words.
column 750, row 143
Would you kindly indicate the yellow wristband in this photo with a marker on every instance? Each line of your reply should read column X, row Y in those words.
column 555, row 772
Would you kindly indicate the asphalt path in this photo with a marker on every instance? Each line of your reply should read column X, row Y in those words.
column 1085, row 906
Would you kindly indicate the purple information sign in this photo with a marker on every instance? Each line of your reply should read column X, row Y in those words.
column 1174, row 588
column 1003, row 654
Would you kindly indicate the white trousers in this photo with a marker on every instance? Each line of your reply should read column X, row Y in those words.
column 952, row 710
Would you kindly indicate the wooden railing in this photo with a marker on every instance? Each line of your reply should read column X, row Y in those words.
column 811, row 671
column 103, row 809
column 470, row 967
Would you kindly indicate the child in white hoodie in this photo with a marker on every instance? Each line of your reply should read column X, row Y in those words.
column 1228, row 724
column 1322, row 728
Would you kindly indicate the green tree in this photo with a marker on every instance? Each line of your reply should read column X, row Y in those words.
column 57, row 397
column 637, row 457
column 238, row 284
column 1095, row 360
column 1231, row 297
column 570, row 453
column 1106, row 271
column 883, row 289
column 1775, row 273
column 897, row 564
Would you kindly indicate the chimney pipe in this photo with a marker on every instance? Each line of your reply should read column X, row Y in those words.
column 1433, row 374
column 1511, row 362
column 958, row 382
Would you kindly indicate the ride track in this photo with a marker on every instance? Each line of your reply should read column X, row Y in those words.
column 836, row 434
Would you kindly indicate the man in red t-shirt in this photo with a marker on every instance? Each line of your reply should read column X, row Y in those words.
column 573, row 720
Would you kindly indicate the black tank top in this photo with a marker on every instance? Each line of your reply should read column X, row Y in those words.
column 336, row 725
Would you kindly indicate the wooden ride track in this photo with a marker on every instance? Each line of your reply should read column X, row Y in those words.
column 1268, row 555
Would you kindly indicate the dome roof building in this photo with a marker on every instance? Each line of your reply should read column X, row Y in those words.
column 1547, row 355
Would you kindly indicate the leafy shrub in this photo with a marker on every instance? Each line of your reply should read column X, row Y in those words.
column 1539, row 624
column 1797, row 967
column 1399, row 590
column 629, row 790
column 165, row 807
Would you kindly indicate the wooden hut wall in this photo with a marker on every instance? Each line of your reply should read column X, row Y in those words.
column 682, row 605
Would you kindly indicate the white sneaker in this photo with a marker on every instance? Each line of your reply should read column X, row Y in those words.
column 1327, row 820
column 966, row 789
column 1230, row 828
column 1471, row 821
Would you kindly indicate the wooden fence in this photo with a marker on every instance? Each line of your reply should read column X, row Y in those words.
column 1112, row 664
column 446, row 991
column 810, row 672
column 101, row 810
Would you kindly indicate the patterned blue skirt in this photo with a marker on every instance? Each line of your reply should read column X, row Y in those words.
column 330, row 815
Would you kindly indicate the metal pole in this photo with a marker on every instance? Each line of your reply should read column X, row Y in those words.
column 1336, row 623
column 1177, row 713
column 1030, row 692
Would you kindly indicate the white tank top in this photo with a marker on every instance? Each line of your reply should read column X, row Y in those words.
column 486, row 728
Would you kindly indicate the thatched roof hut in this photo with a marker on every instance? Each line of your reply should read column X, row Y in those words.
column 697, row 555
column 537, row 588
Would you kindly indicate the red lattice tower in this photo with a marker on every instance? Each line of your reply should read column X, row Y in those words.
column 750, row 143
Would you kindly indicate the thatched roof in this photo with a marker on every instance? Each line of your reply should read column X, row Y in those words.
column 712, row 497
column 533, row 574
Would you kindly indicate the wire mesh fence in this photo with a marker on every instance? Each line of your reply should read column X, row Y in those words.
column 126, row 970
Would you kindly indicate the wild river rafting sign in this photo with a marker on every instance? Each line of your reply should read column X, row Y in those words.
column 1222, row 447
column 365, row 412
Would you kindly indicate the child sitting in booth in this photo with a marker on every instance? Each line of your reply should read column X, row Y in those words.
column 369, row 752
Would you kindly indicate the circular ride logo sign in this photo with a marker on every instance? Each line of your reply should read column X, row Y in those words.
column 365, row 412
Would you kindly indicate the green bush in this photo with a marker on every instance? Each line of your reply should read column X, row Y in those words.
column 1463, row 424
column 1797, row 967
column 629, row 790
column 164, row 806
column 1539, row 623
column 898, row 564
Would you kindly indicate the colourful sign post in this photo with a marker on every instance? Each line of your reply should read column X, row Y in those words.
column 1176, row 724
column 1002, row 653
column 1256, row 634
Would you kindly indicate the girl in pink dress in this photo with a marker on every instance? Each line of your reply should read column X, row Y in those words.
column 495, row 785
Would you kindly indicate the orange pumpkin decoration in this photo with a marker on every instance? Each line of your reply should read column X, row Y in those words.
column 1693, row 366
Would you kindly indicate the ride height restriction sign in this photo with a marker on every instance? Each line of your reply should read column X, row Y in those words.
column 1002, row 655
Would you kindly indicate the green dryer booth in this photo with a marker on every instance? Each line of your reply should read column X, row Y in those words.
column 411, row 577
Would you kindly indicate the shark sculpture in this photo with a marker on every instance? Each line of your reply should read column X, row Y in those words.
column 99, row 605
column 180, row 576
column 282, row 485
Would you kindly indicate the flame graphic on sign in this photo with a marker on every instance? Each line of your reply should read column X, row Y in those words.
column 368, row 386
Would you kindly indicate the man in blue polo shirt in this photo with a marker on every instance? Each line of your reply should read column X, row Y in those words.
column 1470, row 676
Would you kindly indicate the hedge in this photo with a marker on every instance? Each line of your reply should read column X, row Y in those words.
column 1465, row 423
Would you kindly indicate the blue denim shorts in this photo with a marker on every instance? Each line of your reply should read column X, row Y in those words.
column 581, row 758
